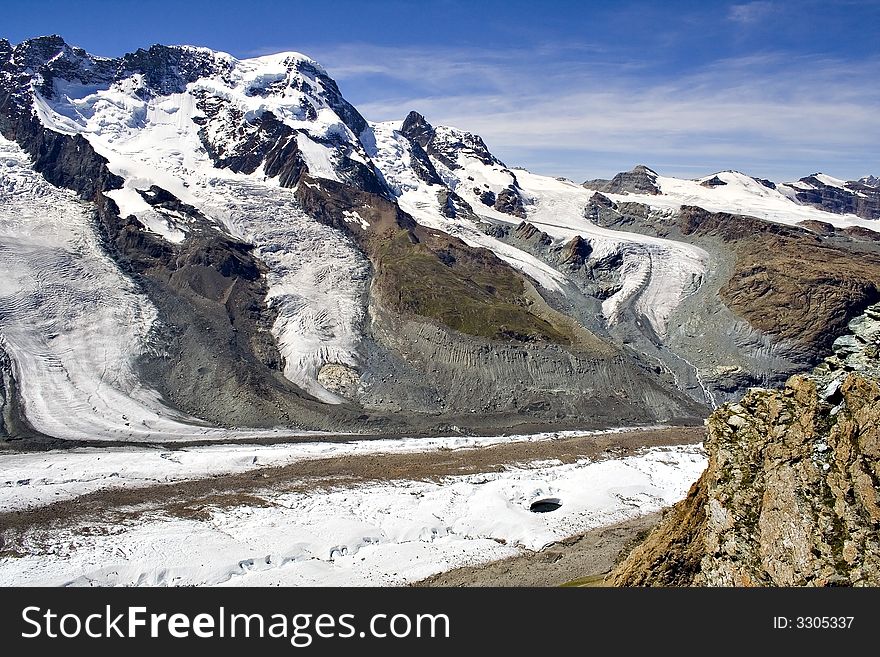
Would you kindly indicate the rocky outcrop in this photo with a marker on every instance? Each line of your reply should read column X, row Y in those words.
column 417, row 129
column 13, row 424
column 596, row 277
column 422, row 165
column 444, row 143
column 819, row 227
column 854, row 197
column 509, row 201
column 454, row 206
column 527, row 232
column 714, row 181
column 791, row 495
column 487, row 197
column 641, row 180
column 7, row 396
column 861, row 233
column 575, row 253
column 787, row 282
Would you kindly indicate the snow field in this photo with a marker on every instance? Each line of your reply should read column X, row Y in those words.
column 387, row 533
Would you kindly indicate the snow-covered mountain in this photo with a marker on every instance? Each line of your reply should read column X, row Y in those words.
column 223, row 242
column 817, row 197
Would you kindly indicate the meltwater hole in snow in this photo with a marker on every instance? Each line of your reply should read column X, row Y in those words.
column 545, row 505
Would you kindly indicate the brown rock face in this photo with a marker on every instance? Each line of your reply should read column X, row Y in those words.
column 858, row 197
column 787, row 282
column 791, row 496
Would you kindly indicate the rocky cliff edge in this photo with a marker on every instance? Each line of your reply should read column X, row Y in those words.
column 791, row 495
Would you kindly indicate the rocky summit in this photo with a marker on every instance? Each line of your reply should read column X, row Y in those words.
column 791, row 496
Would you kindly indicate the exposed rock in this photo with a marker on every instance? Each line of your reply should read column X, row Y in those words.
column 605, row 273
column 242, row 147
column 597, row 278
column 422, row 165
column 861, row 233
column 854, row 197
column 641, row 180
column 627, row 215
column 787, row 282
column 714, row 181
column 487, row 197
column 510, row 201
column 600, row 200
column 339, row 379
column 529, row 233
column 164, row 201
column 595, row 183
column 446, row 144
column 575, row 252
column 417, row 129
column 820, row 227
column 454, row 206
column 791, row 495
column 7, row 396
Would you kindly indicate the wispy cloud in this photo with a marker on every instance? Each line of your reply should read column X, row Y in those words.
column 750, row 12
column 576, row 113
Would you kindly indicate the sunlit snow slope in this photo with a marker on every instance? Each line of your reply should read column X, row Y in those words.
column 742, row 194
column 72, row 323
column 317, row 280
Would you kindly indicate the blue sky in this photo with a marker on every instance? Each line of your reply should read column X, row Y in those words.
column 581, row 89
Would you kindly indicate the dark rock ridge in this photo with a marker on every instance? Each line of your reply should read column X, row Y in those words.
column 769, row 184
column 486, row 196
column 11, row 423
column 509, row 201
column 641, row 180
column 856, row 197
column 714, row 181
column 454, row 206
column 575, row 253
column 446, row 144
column 422, row 165
column 243, row 147
column 791, row 495
column 416, row 128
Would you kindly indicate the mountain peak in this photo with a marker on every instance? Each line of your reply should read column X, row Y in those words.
column 416, row 128
column 33, row 53
column 645, row 170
